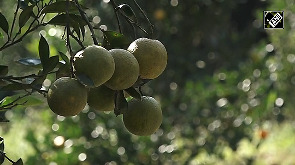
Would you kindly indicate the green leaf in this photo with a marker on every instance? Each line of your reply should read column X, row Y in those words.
column 3, row 70
column 25, row 101
column 30, row 61
column 63, row 18
column 64, row 57
column 128, row 11
column 38, row 82
column 43, row 51
column 81, row 22
column 31, row 101
column 133, row 92
column 1, row 144
column 140, row 82
column 25, row 15
column 84, row 79
column 60, row 7
column 271, row 98
column 63, row 71
column 18, row 162
column 50, row 64
column 2, row 158
column 15, row 87
column 23, row 4
column 113, row 39
column 1, row 35
column 73, row 20
column 121, row 105
column 3, row 23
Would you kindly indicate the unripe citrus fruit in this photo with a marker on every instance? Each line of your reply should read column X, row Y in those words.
column 151, row 56
column 126, row 70
column 95, row 62
column 143, row 117
column 101, row 98
column 67, row 97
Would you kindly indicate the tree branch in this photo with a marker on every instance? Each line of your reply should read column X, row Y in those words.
column 83, row 15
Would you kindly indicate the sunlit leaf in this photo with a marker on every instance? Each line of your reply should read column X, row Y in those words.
column 59, row 7
column 25, row 15
column 1, row 35
column 121, row 103
column 133, row 92
column 30, row 61
column 18, row 162
column 31, row 101
column 85, row 80
column 272, row 96
column 113, row 39
column 3, row 23
column 3, row 70
column 23, row 101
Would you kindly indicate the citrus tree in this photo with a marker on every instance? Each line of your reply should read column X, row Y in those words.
column 95, row 66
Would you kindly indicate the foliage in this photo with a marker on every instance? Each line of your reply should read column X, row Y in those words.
column 227, row 79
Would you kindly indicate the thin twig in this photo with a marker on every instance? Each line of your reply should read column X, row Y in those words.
column 115, row 7
column 14, row 19
column 4, row 154
column 24, row 77
column 146, row 17
column 77, row 40
column 21, row 38
column 14, row 104
column 83, row 15
column 68, row 42
column 29, row 30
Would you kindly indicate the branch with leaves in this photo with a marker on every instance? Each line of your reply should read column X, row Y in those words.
column 31, row 15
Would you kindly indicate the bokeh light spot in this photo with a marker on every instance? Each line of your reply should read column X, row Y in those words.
column 52, row 31
column 279, row 102
column 121, row 151
column 96, row 20
column 82, row 157
column 200, row 64
column 55, row 127
column 173, row 86
column 269, row 47
column 59, row 141
column 174, row 2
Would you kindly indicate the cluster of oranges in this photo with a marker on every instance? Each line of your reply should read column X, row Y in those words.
column 110, row 71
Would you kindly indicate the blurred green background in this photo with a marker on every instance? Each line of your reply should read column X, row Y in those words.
column 227, row 93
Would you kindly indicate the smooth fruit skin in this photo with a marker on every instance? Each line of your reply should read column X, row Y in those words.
column 95, row 62
column 67, row 97
column 101, row 98
column 126, row 70
column 151, row 56
column 143, row 117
